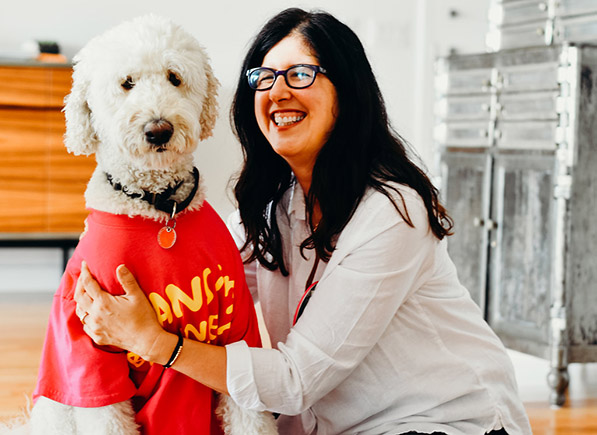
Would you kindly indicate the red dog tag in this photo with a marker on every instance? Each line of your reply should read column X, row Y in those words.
column 166, row 237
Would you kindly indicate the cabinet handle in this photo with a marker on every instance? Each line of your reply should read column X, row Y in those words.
column 491, row 224
column 542, row 6
column 488, row 224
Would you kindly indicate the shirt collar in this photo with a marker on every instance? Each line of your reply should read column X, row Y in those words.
column 296, row 203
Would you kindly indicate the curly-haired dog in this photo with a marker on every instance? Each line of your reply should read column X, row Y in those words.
column 143, row 95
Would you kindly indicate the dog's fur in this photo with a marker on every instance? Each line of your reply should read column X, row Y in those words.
column 108, row 120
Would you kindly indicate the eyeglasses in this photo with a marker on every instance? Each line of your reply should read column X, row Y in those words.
column 297, row 76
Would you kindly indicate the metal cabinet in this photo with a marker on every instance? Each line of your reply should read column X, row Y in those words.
column 517, row 137
column 469, row 208
column 522, row 23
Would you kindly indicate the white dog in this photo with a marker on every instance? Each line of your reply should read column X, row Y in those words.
column 143, row 95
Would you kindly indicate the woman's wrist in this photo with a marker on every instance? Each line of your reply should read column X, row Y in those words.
column 160, row 350
column 175, row 353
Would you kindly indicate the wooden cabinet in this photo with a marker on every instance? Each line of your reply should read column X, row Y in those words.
column 517, row 135
column 41, row 184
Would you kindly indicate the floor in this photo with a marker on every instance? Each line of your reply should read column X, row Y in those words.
column 578, row 416
column 24, row 318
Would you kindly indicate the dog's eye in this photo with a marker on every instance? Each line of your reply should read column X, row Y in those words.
column 173, row 78
column 128, row 84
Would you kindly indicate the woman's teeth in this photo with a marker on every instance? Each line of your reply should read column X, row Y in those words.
column 282, row 121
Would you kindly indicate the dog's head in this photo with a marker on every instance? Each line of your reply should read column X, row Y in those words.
column 143, row 93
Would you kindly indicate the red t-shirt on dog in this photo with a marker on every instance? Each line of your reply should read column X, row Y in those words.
column 197, row 288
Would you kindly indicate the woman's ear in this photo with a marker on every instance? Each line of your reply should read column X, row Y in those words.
column 209, row 114
column 80, row 137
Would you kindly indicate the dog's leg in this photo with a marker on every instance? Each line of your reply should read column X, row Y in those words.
column 117, row 419
column 15, row 427
column 240, row 421
column 18, row 425
column 52, row 418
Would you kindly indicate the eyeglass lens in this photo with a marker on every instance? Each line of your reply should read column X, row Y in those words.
column 300, row 76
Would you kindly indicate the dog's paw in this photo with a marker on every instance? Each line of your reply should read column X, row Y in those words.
column 117, row 419
column 15, row 426
column 240, row 421
column 51, row 418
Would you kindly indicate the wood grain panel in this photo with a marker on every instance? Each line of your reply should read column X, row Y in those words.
column 60, row 84
column 68, row 176
column 34, row 86
column 41, row 185
column 24, row 170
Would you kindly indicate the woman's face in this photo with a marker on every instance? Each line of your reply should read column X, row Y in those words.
column 296, row 122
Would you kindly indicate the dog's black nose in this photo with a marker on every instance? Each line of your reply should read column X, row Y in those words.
column 158, row 132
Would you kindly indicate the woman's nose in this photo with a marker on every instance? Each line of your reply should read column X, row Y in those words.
column 279, row 90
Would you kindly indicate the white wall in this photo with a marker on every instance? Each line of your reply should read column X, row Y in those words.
column 402, row 38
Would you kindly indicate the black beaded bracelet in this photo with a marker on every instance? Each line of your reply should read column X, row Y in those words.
column 175, row 353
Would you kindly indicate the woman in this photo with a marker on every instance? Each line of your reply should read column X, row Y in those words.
column 390, row 342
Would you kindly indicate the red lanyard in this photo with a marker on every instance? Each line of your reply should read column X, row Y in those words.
column 309, row 289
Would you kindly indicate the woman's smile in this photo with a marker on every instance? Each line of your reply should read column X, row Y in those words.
column 287, row 118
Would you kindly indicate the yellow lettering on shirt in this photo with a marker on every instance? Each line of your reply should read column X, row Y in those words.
column 221, row 329
column 213, row 326
column 134, row 359
column 201, row 295
column 161, row 308
column 208, row 292
column 200, row 335
column 224, row 281
column 177, row 296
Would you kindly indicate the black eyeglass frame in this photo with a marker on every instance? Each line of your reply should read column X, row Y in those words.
column 315, row 68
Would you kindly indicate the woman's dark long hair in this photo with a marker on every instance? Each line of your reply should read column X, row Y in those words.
column 362, row 150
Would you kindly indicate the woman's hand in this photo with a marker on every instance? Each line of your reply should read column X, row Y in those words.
column 127, row 321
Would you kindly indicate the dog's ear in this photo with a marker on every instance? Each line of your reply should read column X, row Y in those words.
column 209, row 114
column 80, row 137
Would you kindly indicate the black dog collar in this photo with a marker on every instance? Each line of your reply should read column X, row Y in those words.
column 161, row 201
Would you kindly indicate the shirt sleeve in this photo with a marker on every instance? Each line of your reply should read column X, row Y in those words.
column 379, row 261
column 73, row 370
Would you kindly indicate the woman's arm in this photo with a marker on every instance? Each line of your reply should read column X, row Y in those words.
column 129, row 322
column 379, row 262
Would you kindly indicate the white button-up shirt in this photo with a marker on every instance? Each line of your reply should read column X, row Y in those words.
column 390, row 341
